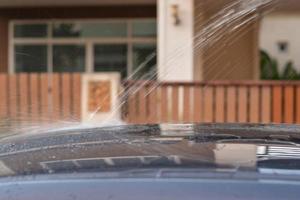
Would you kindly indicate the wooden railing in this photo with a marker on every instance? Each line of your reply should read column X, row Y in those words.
column 253, row 102
column 44, row 97
column 40, row 97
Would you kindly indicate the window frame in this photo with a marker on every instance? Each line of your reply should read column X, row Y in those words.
column 88, row 42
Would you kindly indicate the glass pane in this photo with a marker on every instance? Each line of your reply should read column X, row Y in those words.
column 30, row 58
column 144, row 28
column 92, row 29
column 110, row 58
column 30, row 30
column 68, row 58
column 144, row 61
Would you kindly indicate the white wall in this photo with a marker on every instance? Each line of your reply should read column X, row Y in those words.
column 281, row 27
column 175, row 43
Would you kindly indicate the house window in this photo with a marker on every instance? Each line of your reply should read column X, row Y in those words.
column 90, row 29
column 110, row 57
column 84, row 46
column 144, row 61
column 30, row 58
column 30, row 31
column 68, row 58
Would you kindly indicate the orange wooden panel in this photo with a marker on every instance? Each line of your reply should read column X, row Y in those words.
column 220, row 105
column 186, row 104
column 164, row 104
column 198, row 104
column 147, row 103
column 175, row 104
column 254, row 104
column 24, row 97
column 76, row 94
column 153, row 105
column 34, row 96
column 142, row 105
column 132, row 108
column 208, row 104
column 277, row 104
column 56, row 100
column 45, row 115
column 266, row 104
column 3, row 96
column 242, row 104
column 13, row 98
column 231, row 105
column 66, row 96
column 298, row 105
column 289, row 104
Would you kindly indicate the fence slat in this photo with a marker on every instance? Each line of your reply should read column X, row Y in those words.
column 231, row 104
column 220, row 105
column 132, row 108
column 208, row 104
column 254, row 105
column 164, row 104
column 142, row 105
column 13, row 97
column 277, row 104
column 24, row 97
column 289, row 104
column 66, row 96
column 298, row 104
column 198, row 104
column 242, row 104
column 3, row 96
column 56, row 94
column 45, row 117
column 76, row 96
column 153, row 105
column 266, row 104
column 175, row 104
column 34, row 96
column 186, row 104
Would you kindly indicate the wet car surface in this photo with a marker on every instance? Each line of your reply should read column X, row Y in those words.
column 230, row 159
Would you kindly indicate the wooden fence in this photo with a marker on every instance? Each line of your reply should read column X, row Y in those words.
column 40, row 97
column 54, row 97
column 254, row 102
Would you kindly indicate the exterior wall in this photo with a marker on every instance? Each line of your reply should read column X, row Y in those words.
column 234, row 56
column 172, row 39
column 281, row 27
column 7, row 14
column 175, row 47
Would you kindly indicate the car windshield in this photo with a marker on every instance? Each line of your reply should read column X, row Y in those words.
column 106, row 87
column 95, row 64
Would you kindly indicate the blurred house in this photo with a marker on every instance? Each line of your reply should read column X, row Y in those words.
column 279, row 34
column 174, row 41
column 124, row 35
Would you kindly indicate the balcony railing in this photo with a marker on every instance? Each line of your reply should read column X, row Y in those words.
column 218, row 101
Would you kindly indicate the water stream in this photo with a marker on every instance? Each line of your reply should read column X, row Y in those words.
column 232, row 18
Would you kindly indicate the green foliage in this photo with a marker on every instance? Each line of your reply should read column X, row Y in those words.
column 270, row 69
column 290, row 73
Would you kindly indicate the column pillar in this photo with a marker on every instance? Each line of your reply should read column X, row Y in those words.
column 175, row 40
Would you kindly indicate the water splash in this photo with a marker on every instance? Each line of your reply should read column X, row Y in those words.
column 232, row 18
